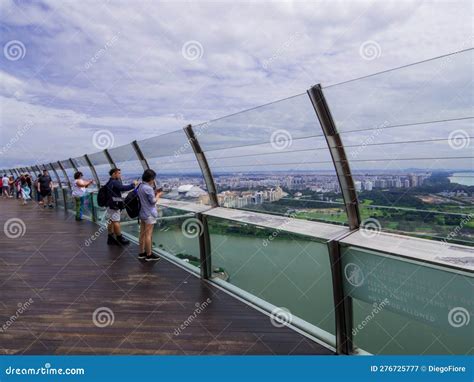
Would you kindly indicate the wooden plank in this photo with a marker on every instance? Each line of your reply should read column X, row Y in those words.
column 68, row 280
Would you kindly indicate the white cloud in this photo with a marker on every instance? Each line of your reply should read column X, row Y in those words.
column 139, row 84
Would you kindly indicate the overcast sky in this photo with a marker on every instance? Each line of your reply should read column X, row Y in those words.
column 70, row 69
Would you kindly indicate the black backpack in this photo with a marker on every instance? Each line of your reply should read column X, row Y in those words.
column 132, row 203
column 103, row 196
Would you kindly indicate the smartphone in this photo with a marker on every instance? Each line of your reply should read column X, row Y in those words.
column 159, row 189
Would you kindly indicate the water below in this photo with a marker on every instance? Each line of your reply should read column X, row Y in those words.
column 464, row 178
column 294, row 273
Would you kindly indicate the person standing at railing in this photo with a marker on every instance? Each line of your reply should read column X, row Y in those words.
column 115, row 205
column 149, row 195
column 5, row 186
column 79, row 193
column 45, row 186
column 25, row 188
column 11, row 186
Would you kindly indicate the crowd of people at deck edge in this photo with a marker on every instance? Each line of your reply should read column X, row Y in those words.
column 147, row 192
column 21, row 188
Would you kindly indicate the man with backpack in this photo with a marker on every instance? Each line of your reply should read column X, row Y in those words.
column 114, row 205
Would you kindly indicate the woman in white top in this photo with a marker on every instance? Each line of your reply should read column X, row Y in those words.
column 79, row 192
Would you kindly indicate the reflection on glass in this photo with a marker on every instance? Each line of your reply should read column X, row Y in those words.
column 274, row 159
column 287, row 270
column 170, row 236
column 174, row 161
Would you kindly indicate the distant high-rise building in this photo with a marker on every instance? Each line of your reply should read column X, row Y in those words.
column 358, row 185
column 413, row 180
column 368, row 185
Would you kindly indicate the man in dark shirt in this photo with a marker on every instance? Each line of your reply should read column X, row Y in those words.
column 115, row 205
column 45, row 186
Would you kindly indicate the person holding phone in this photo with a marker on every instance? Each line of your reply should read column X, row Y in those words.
column 149, row 195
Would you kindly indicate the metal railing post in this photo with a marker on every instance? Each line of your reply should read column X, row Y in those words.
column 56, row 175
column 204, row 165
column 93, row 171
column 73, row 164
column 342, row 303
column 110, row 159
column 140, row 155
column 204, row 247
column 65, row 174
column 338, row 155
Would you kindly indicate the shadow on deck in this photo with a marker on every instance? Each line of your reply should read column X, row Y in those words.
column 51, row 284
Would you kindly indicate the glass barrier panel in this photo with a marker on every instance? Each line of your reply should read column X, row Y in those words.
column 100, row 211
column 274, row 159
column 127, row 161
column 408, row 135
column 60, row 197
column 407, row 307
column 101, row 165
column 70, row 202
column 287, row 270
column 60, row 174
column 178, row 173
column 69, row 169
column 438, row 89
column 170, row 235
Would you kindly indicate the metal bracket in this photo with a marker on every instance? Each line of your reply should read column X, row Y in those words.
column 204, row 165
column 338, row 155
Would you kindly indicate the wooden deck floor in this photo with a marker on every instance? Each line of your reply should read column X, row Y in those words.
column 60, row 282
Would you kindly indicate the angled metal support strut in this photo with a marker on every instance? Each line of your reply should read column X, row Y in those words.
column 203, row 164
column 338, row 155
column 65, row 174
column 56, row 175
column 92, row 168
column 109, row 158
column 73, row 164
column 140, row 155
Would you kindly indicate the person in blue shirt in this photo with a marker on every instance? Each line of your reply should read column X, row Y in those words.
column 115, row 205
